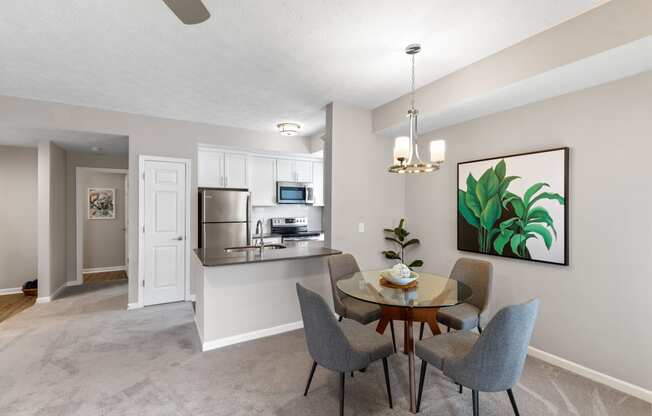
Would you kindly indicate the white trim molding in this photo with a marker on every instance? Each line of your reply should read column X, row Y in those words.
column 132, row 306
column 598, row 377
column 104, row 269
column 74, row 283
column 11, row 291
column 249, row 336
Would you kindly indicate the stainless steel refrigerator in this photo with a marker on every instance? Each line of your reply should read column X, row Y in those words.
column 224, row 218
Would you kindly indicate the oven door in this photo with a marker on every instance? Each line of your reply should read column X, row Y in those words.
column 291, row 193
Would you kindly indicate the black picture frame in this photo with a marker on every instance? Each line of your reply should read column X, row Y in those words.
column 463, row 226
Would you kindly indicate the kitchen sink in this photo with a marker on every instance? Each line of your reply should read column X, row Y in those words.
column 254, row 248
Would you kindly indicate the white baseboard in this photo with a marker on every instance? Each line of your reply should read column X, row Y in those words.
column 236, row 339
column 614, row 383
column 104, row 269
column 74, row 283
column 190, row 298
column 135, row 305
column 46, row 299
column 11, row 291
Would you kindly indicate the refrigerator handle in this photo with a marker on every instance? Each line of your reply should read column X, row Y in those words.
column 249, row 219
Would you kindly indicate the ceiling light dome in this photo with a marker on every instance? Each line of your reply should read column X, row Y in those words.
column 288, row 129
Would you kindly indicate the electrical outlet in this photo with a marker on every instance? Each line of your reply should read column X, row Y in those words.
column 361, row 227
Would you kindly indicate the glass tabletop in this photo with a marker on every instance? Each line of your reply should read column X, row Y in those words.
column 432, row 291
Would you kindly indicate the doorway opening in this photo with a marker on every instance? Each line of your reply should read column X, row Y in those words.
column 102, row 224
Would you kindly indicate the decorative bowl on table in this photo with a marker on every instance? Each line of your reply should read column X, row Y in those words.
column 399, row 275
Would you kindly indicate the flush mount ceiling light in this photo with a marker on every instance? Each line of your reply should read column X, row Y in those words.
column 406, row 149
column 288, row 129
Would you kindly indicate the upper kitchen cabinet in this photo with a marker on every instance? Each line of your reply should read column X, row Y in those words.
column 318, row 183
column 303, row 170
column 285, row 170
column 288, row 170
column 235, row 170
column 263, row 181
column 219, row 169
column 210, row 169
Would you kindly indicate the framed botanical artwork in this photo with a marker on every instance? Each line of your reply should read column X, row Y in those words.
column 515, row 206
column 101, row 203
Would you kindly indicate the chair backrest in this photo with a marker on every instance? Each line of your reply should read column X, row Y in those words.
column 496, row 361
column 326, row 341
column 340, row 265
column 478, row 275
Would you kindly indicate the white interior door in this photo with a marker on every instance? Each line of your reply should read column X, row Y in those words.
column 165, row 232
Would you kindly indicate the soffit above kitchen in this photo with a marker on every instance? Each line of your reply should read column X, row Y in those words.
column 252, row 64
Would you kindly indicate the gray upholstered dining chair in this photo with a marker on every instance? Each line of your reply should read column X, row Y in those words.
column 478, row 275
column 342, row 265
column 490, row 362
column 344, row 347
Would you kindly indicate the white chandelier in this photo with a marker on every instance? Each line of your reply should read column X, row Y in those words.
column 406, row 149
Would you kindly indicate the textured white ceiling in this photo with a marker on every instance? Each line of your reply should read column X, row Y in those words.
column 72, row 141
column 253, row 63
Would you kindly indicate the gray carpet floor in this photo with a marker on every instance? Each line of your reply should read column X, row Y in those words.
column 84, row 354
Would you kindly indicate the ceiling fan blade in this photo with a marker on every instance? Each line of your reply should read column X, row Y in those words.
column 189, row 12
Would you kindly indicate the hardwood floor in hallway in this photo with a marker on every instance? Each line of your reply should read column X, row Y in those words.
column 10, row 305
column 105, row 276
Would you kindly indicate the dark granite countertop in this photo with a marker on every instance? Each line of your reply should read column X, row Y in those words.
column 215, row 257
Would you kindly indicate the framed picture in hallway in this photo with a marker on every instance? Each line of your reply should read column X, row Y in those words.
column 515, row 206
column 101, row 203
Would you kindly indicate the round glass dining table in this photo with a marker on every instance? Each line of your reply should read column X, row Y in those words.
column 417, row 304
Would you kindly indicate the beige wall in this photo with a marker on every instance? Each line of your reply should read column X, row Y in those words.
column 51, row 216
column 609, row 26
column 147, row 136
column 358, row 187
column 590, row 308
column 73, row 161
column 104, row 240
column 17, row 216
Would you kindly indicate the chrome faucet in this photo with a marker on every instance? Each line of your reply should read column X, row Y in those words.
column 259, row 233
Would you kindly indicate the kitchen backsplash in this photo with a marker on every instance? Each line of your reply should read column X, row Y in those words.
column 314, row 215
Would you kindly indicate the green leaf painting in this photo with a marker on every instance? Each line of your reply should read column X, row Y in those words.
column 503, row 212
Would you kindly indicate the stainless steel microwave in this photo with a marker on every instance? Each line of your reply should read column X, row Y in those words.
column 295, row 193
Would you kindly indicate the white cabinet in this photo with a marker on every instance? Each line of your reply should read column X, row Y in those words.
column 318, row 183
column 263, row 181
column 210, row 169
column 235, row 170
column 285, row 170
column 288, row 170
column 303, row 170
column 217, row 169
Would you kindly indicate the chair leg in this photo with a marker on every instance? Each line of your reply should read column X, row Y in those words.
column 389, row 389
column 448, row 329
column 391, row 327
column 479, row 329
column 352, row 374
column 422, row 378
column 342, row 378
column 312, row 373
column 461, row 388
column 511, row 399
column 340, row 320
column 476, row 403
column 423, row 325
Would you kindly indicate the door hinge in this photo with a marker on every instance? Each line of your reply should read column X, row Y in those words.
column 143, row 229
column 143, row 175
column 143, row 283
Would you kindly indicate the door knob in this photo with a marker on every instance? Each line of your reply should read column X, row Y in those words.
column 178, row 238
